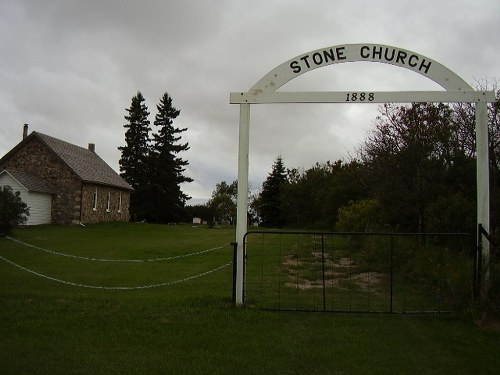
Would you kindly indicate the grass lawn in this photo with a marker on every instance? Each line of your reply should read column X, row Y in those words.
column 190, row 327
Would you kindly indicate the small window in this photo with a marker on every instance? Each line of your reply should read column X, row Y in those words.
column 108, row 202
column 94, row 200
column 120, row 202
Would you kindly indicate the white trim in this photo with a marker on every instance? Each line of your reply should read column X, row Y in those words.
column 15, row 179
column 362, row 97
column 120, row 202
column 108, row 202
column 94, row 200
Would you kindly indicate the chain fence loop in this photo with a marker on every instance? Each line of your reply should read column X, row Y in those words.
column 115, row 287
column 115, row 260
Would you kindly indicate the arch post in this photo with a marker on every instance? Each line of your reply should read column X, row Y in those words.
column 483, row 192
column 242, row 210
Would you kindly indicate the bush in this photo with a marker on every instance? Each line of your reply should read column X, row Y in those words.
column 451, row 214
column 361, row 216
column 13, row 211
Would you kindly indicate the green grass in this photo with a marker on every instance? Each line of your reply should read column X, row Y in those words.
column 191, row 327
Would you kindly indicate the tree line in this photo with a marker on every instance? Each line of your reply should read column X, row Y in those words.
column 415, row 172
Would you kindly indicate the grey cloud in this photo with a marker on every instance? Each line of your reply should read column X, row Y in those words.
column 70, row 68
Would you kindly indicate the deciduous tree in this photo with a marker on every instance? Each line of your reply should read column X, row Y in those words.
column 411, row 158
column 224, row 201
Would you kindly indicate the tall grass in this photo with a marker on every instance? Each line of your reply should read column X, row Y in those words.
column 191, row 327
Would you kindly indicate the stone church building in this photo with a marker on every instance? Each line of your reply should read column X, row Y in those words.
column 63, row 183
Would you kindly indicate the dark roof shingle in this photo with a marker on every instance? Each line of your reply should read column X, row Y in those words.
column 86, row 164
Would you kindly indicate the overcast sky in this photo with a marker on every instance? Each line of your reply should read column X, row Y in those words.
column 69, row 68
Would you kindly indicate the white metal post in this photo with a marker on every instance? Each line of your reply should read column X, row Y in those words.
column 241, row 215
column 483, row 186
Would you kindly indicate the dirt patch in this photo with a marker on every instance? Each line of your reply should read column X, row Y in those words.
column 305, row 284
column 293, row 262
column 337, row 273
column 369, row 281
column 345, row 262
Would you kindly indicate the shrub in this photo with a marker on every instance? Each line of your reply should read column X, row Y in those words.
column 362, row 216
column 13, row 211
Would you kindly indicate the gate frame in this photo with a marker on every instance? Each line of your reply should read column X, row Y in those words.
column 391, row 235
column 264, row 92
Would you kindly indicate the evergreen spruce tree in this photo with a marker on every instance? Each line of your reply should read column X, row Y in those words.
column 167, row 166
column 271, row 209
column 134, row 161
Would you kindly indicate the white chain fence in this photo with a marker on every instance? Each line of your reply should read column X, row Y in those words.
column 115, row 287
column 116, row 261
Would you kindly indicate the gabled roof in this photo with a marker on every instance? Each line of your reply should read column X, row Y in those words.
column 86, row 164
column 28, row 181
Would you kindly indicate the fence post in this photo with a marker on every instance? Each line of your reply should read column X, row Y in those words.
column 235, row 257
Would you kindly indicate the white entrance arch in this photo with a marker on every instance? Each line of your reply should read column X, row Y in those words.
column 264, row 92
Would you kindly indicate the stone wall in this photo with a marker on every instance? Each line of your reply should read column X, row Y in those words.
column 101, row 210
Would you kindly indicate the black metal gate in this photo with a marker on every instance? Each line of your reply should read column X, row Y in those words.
column 359, row 272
